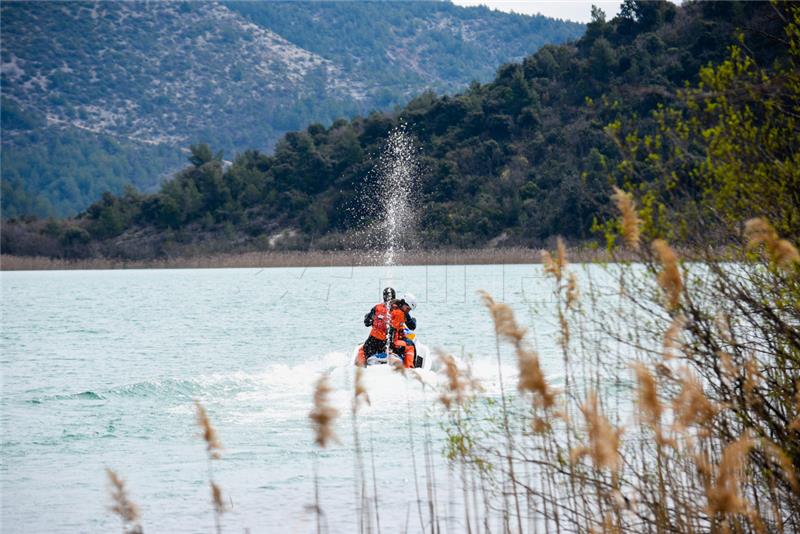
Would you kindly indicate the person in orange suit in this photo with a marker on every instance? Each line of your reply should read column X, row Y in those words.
column 379, row 318
column 405, row 348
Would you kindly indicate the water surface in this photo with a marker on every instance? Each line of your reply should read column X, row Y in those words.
column 101, row 368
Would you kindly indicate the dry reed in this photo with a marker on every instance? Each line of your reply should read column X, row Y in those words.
column 669, row 279
column 691, row 406
column 213, row 445
column 724, row 494
column 123, row 506
column 648, row 401
column 216, row 498
column 573, row 294
column 604, row 438
column 630, row 218
column 505, row 326
column 460, row 386
column 795, row 424
column 213, row 449
column 555, row 266
column 360, row 394
column 323, row 414
column 307, row 258
column 531, row 377
column 780, row 251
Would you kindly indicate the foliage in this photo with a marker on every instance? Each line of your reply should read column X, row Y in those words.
column 730, row 151
column 188, row 73
column 517, row 160
column 57, row 173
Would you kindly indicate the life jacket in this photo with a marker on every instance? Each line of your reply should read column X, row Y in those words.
column 380, row 324
column 397, row 323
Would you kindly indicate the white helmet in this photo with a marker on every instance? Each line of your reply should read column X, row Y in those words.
column 409, row 299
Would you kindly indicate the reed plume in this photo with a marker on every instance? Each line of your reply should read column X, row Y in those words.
column 603, row 447
column 555, row 266
column 691, row 406
column 505, row 325
column 573, row 295
column 213, row 445
column 780, row 251
column 780, row 457
column 630, row 218
column 360, row 391
column 724, row 495
column 216, row 498
column 669, row 279
column 323, row 414
column 213, row 448
column 649, row 403
column 564, row 330
column 532, row 379
column 561, row 253
column 123, row 506
column 460, row 385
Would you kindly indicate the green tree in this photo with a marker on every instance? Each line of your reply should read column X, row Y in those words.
column 202, row 154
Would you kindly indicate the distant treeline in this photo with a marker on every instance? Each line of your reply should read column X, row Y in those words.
column 515, row 161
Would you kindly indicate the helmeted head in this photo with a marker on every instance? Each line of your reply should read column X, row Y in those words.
column 388, row 294
column 409, row 299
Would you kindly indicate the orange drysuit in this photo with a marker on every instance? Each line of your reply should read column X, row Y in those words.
column 379, row 322
column 398, row 318
column 380, row 329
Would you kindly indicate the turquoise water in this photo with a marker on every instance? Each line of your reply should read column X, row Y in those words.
column 101, row 368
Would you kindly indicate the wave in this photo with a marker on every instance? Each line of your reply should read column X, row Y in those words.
column 169, row 388
column 281, row 381
column 276, row 377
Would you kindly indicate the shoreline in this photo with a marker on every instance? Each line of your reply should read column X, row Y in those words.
column 484, row 256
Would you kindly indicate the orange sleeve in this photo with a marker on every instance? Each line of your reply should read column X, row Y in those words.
column 398, row 317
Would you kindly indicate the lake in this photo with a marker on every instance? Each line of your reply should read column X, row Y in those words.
column 101, row 369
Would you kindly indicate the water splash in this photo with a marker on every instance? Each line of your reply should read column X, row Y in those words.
column 390, row 193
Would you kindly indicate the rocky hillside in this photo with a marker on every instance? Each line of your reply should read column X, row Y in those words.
column 97, row 95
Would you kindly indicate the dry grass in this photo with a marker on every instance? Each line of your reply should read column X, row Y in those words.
column 323, row 414
column 630, row 222
column 213, row 452
column 588, row 254
column 122, row 505
column 213, row 445
column 780, row 251
column 360, row 394
column 604, row 438
column 670, row 276
column 691, row 407
column 460, row 386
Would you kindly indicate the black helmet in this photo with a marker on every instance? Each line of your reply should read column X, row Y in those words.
column 388, row 294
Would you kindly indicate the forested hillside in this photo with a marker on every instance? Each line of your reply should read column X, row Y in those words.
column 97, row 95
column 515, row 161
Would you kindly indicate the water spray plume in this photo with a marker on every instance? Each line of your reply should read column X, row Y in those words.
column 391, row 191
